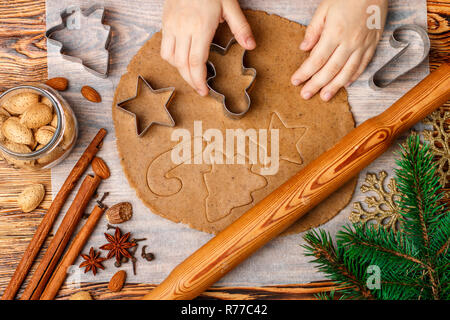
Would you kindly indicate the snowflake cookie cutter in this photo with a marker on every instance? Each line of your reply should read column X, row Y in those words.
column 245, row 71
column 73, row 25
column 376, row 81
column 171, row 122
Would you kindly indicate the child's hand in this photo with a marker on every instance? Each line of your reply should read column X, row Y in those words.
column 342, row 46
column 188, row 30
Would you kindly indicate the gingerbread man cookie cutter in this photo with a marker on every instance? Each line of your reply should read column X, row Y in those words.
column 121, row 106
column 376, row 81
column 213, row 73
column 69, row 11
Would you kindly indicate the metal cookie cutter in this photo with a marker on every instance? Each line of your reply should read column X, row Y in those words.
column 376, row 81
column 171, row 122
column 72, row 24
column 245, row 71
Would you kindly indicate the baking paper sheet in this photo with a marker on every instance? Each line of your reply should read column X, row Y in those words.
column 281, row 261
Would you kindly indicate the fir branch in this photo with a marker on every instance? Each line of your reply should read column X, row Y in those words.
column 331, row 261
column 414, row 262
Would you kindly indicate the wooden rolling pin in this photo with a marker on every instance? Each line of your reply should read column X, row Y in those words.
column 303, row 191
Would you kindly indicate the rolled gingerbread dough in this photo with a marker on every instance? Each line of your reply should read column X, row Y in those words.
column 199, row 190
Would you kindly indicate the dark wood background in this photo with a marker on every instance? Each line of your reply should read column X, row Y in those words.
column 23, row 59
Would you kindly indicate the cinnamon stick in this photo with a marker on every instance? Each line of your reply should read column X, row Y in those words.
column 59, row 242
column 47, row 222
column 72, row 253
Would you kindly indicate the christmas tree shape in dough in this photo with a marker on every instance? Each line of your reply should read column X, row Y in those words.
column 230, row 186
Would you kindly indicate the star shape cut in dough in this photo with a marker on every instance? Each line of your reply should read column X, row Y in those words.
column 289, row 139
column 149, row 106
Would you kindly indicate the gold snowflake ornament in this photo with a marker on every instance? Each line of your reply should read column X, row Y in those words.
column 382, row 209
column 439, row 141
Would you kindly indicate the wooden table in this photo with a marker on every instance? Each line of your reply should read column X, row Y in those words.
column 23, row 59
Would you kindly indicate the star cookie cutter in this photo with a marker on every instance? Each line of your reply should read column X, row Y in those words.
column 245, row 71
column 66, row 13
column 121, row 104
column 376, row 81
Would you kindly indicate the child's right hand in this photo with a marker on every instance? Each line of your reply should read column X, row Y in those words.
column 188, row 30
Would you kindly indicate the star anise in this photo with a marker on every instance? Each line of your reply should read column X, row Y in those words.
column 92, row 261
column 118, row 245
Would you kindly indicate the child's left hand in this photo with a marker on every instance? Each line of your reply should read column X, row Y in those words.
column 342, row 46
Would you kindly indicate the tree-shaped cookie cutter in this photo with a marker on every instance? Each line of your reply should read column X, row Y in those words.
column 63, row 25
column 245, row 71
column 376, row 80
column 121, row 105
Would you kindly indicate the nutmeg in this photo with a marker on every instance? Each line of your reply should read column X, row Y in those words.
column 100, row 168
column 119, row 213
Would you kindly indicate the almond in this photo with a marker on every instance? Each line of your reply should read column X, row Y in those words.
column 31, row 197
column 44, row 134
column 119, row 213
column 36, row 116
column 16, row 132
column 100, row 168
column 91, row 94
column 81, row 295
column 58, row 83
column 20, row 102
column 117, row 281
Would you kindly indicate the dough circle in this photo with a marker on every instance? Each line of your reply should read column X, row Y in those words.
column 209, row 197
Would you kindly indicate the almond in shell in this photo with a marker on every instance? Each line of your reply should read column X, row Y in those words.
column 119, row 213
column 44, row 134
column 20, row 102
column 31, row 197
column 18, row 148
column 91, row 94
column 16, row 132
column 3, row 118
column 36, row 116
column 54, row 122
column 81, row 295
column 50, row 157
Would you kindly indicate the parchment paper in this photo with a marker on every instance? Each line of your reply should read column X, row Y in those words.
column 281, row 261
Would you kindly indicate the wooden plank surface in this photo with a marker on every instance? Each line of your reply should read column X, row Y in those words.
column 23, row 59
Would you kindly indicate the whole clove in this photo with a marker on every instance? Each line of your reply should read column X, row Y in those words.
column 147, row 255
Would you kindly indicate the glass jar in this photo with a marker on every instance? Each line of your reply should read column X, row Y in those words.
column 35, row 156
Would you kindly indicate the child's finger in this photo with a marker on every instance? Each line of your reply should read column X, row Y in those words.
column 238, row 24
column 168, row 47
column 327, row 73
column 197, row 61
column 183, row 46
column 343, row 77
column 364, row 63
column 315, row 28
column 317, row 59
